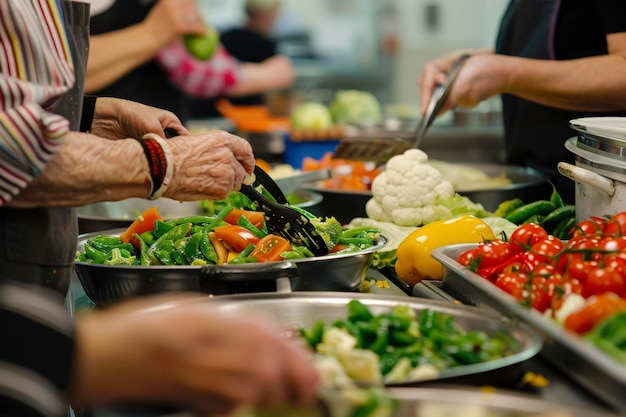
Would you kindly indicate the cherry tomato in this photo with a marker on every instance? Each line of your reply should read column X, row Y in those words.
column 587, row 228
column 616, row 262
column 602, row 280
column 270, row 247
column 616, row 225
column 513, row 283
column 468, row 258
column 525, row 236
column 615, row 244
column 235, row 236
column 579, row 269
column 547, row 249
column 542, row 291
column 493, row 253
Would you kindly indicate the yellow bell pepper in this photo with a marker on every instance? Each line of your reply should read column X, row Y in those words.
column 414, row 252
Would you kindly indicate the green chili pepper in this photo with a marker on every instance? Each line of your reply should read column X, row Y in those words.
column 107, row 240
column 107, row 248
column 207, row 249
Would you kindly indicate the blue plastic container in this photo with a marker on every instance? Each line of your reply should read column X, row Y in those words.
column 297, row 150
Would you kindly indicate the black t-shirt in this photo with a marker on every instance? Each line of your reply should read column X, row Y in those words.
column 551, row 29
column 147, row 83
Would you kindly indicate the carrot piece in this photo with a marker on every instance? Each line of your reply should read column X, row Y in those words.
column 143, row 223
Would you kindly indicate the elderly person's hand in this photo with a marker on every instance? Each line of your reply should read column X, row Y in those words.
column 119, row 119
column 184, row 353
column 209, row 165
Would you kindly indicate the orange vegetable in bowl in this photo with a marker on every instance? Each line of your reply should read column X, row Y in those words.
column 143, row 223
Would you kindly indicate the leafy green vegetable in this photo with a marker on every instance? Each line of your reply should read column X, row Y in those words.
column 311, row 115
column 355, row 107
column 330, row 229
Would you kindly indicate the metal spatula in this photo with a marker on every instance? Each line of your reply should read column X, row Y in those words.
column 380, row 150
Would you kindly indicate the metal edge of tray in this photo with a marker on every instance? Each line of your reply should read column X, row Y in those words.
column 491, row 371
column 596, row 372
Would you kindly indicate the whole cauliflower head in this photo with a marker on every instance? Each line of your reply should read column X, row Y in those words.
column 406, row 192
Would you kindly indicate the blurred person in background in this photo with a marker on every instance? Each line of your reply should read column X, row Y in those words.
column 137, row 54
column 177, row 356
column 553, row 61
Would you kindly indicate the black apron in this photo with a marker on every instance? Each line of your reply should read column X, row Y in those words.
column 39, row 245
column 534, row 134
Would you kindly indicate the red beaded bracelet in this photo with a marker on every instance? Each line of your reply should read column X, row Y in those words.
column 160, row 162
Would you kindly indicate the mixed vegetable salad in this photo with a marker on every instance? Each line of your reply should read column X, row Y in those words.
column 580, row 282
column 397, row 346
column 236, row 234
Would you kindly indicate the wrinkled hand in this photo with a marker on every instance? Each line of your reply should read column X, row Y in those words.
column 187, row 354
column 479, row 79
column 120, row 119
column 209, row 165
column 170, row 19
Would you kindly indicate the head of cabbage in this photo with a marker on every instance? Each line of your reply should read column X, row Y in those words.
column 311, row 115
column 355, row 107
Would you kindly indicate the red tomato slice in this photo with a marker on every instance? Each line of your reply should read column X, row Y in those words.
column 257, row 218
column 270, row 247
column 236, row 236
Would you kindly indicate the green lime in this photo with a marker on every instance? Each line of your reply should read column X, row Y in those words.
column 202, row 46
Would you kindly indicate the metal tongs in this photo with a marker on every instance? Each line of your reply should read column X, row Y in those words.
column 379, row 150
column 281, row 219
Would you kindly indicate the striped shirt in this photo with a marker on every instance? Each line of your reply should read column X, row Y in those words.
column 35, row 352
column 35, row 69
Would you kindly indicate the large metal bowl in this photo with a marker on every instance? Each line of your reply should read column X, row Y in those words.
column 105, row 284
column 299, row 310
column 526, row 183
column 114, row 214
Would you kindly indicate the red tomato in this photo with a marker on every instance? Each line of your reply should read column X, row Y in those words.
column 493, row 253
column 257, row 218
column 615, row 244
column 526, row 235
column 547, row 249
column 579, row 269
column 236, row 236
column 338, row 247
column 468, row 258
column 513, row 283
column 616, row 225
column 542, row 291
column 587, row 228
column 269, row 248
column 602, row 280
column 616, row 262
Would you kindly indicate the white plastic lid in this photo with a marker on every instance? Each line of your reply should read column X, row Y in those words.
column 608, row 127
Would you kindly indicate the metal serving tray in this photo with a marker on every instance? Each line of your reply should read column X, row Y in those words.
column 581, row 361
column 303, row 309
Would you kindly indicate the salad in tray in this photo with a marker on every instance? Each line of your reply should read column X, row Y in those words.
column 579, row 282
column 236, row 234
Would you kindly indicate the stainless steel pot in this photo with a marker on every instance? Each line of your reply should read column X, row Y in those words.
column 114, row 214
column 106, row 284
column 600, row 175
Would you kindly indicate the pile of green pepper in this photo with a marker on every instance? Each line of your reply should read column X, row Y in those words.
column 425, row 337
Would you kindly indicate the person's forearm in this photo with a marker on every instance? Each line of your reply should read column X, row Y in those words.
column 114, row 54
column 587, row 84
column 71, row 179
column 274, row 73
